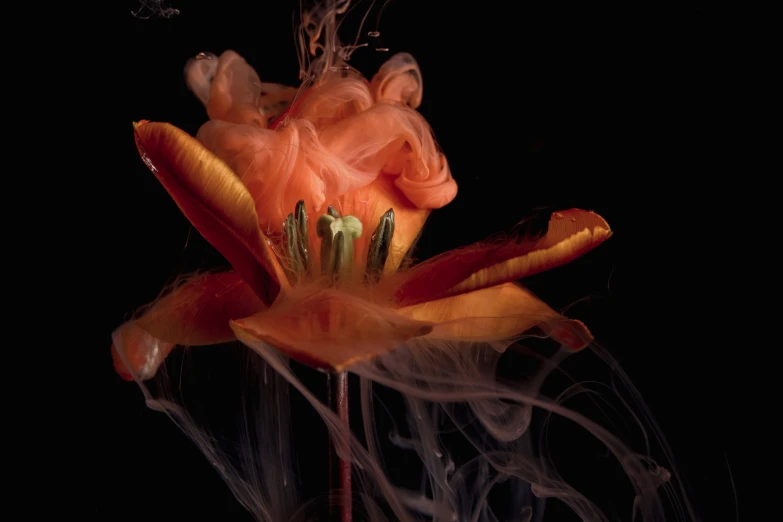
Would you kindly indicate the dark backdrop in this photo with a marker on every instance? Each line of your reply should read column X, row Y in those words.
column 596, row 108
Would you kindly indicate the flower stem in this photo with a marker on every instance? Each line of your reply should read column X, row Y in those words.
column 340, row 469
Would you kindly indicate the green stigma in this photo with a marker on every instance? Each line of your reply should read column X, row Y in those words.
column 337, row 235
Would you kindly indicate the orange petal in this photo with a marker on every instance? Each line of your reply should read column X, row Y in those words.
column 195, row 313
column 496, row 313
column 570, row 234
column 327, row 328
column 214, row 200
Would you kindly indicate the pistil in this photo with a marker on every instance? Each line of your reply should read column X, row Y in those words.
column 337, row 236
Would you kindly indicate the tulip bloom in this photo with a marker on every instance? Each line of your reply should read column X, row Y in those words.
column 315, row 196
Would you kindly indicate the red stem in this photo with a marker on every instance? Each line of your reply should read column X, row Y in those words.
column 340, row 475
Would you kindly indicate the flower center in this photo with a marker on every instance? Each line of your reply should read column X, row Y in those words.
column 337, row 234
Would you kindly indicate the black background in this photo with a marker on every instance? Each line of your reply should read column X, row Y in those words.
column 597, row 108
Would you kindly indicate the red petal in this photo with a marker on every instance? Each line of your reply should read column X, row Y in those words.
column 214, row 200
column 196, row 313
column 571, row 234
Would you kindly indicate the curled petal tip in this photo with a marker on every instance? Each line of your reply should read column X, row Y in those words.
column 119, row 366
column 236, row 323
column 136, row 353
column 572, row 334
column 602, row 221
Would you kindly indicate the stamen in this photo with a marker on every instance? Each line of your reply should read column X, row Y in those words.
column 303, row 236
column 292, row 247
column 379, row 247
column 297, row 243
column 338, row 244
column 325, row 233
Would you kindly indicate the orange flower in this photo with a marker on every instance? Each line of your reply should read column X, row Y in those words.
column 363, row 149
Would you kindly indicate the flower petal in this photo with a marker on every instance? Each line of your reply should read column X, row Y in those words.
column 195, row 313
column 327, row 328
column 570, row 234
column 496, row 313
column 214, row 200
